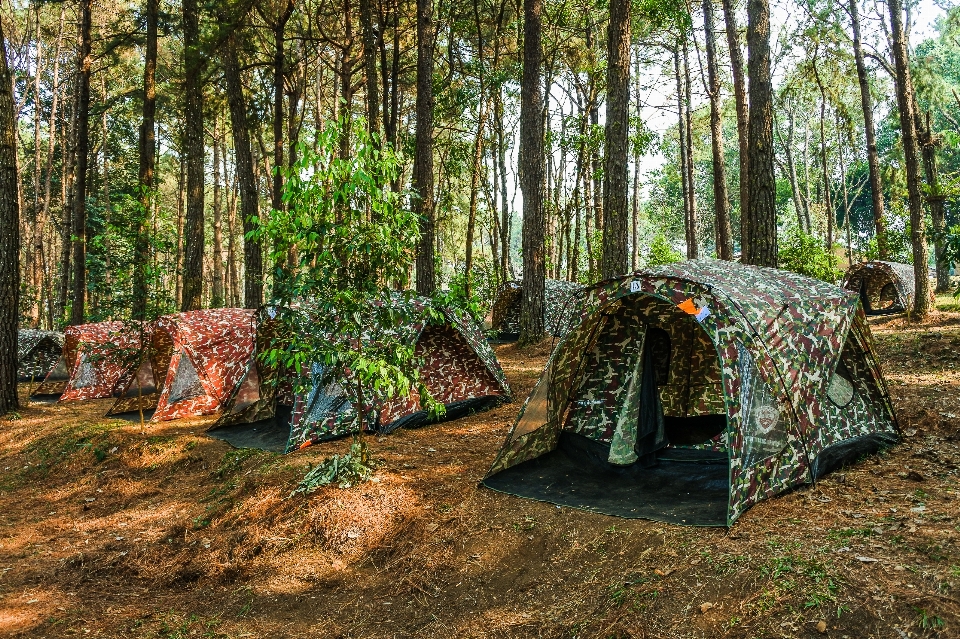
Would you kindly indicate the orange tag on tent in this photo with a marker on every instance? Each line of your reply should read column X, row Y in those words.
column 305, row 444
column 688, row 307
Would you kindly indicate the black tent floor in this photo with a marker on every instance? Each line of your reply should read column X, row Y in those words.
column 685, row 487
column 267, row 434
column 134, row 415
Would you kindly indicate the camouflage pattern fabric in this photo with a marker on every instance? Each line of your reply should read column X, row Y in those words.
column 37, row 353
column 877, row 279
column 98, row 360
column 777, row 339
column 559, row 307
column 455, row 363
column 211, row 351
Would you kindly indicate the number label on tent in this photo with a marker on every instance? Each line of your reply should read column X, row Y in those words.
column 636, row 286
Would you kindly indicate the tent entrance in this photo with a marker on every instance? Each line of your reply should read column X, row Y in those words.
column 643, row 432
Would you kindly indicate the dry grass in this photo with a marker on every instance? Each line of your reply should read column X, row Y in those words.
column 107, row 530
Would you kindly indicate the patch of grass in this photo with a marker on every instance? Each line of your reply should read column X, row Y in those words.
column 929, row 621
column 233, row 461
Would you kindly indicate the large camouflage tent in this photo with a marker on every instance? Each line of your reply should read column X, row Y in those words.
column 559, row 308
column 37, row 353
column 884, row 287
column 455, row 363
column 98, row 360
column 688, row 392
column 193, row 364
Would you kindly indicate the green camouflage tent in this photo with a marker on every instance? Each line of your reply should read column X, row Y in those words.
column 691, row 391
column 884, row 287
column 559, row 308
column 37, row 353
column 455, row 363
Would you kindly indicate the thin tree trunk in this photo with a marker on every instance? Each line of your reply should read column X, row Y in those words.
column 67, row 196
column 278, row 111
column 682, row 138
column 194, row 147
column 216, row 293
column 9, row 240
column 616, row 142
column 693, row 242
column 720, row 198
column 531, row 176
column 246, row 180
column 743, row 123
column 873, row 161
column 905, row 105
column 477, row 156
column 423, row 154
column 827, row 200
column 762, row 211
column 369, row 35
column 48, row 170
column 147, row 159
column 77, row 315
column 935, row 200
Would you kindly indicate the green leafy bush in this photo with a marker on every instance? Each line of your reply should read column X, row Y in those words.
column 806, row 255
column 661, row 252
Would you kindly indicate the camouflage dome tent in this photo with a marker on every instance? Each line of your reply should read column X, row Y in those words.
column 193, row 364
column 884, row 287
column 37, row 353
column 691, row 391
column 559, row 308
column 457, row 366
column 98, row 360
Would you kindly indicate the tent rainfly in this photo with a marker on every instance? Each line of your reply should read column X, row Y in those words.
column 688, row 392
column 884, row 287
column 98, row 360
column 37, row 353
column 193, row 364
column 456, row 365
column 560, row 302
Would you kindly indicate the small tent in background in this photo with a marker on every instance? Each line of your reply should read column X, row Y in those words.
column 884, row 287
column 456, row 365
column 37, row 353
column 98, row 360
column 559, row 307
column 194, row 361
column 688, row 392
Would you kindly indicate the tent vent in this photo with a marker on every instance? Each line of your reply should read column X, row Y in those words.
column 186, row 382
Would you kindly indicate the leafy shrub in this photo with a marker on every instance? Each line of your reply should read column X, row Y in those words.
column 806, row 255
column 661, row 252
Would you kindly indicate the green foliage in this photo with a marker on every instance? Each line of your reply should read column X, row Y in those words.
column 347, row 470
column 343, row 249
column 952, row 249
column 806, row 255
column 661, row 252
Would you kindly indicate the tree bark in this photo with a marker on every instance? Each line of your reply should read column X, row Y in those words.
column 77, row 315
column 693, row 241
column 9, row 240
column 370, row 65
column 193, row 63
column 762, row 211
column 873, row 160
column 279, row 114
column 720, row 198
column 682, row 138
column 148, row 150
column 423, row 154
column 930, row 143
column 531, row 176
column 743, row 122
column 617, row 139
column 246, row 180
column 216, row 290
column 477, row 156
column 905, row 105
column 827, row 199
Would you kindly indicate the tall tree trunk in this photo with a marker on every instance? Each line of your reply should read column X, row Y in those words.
column 477, row 155
column 246, row 180
column 54, row 313
column 906, row 104
column 827, row 199
column 762, row 211
column 423, row 154
column 148, row 149
column 67, row 196
column 720, row 198
column 506, row 226
column 634, row 247
column 531, row 176
column 9, row 240
column 693, row 242
column 682, row 138
column 279, row 114
column 930, row 142
column 193, row 63
column 616, row 142
column 369, row 35
column 743, row 123
column 216, row 292
column 34, row 251
column 77, row 315
column 870, row 134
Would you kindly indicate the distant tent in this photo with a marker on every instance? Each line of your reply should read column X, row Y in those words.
column 98, row 360
column 193, row 364
column 688, row 392
column 37, row 353
column 884, row 287
column 458, row 367
column 559, row 307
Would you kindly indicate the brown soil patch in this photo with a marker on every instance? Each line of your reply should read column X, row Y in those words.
column 110, row 530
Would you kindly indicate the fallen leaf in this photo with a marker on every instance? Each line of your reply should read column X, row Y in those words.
column 867, row 560
column 704, row 607
column 822, row 627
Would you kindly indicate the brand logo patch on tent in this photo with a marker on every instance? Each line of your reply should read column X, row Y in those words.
column 767, row 418
column 689, row 307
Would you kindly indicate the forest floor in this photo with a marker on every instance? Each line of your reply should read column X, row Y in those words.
column 110, row 530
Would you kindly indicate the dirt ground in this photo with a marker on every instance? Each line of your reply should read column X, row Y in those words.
column 111, row 530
